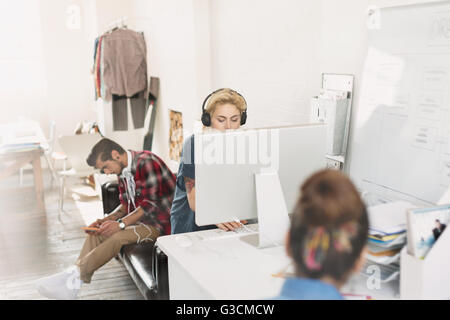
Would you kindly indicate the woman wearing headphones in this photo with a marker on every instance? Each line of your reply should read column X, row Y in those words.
column 225, row 109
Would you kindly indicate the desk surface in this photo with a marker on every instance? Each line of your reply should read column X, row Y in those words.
column 230, row 268
column 16, row 155
column 25, row 131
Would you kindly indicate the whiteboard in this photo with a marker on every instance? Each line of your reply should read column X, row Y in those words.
column 401, row 137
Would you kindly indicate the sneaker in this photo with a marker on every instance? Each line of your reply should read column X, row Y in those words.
column 61, row 286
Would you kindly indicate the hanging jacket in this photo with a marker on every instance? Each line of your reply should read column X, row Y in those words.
column 124, row 55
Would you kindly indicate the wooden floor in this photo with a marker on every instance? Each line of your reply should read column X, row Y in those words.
column 35, row 244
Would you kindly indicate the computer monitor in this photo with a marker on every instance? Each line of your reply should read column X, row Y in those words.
column 257, row 173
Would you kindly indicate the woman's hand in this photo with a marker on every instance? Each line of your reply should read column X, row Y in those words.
column 230, row 226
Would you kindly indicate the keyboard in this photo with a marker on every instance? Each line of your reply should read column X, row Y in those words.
column 218, row 234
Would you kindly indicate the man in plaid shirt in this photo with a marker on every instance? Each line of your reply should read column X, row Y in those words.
column 146, row 187
column 153, row 192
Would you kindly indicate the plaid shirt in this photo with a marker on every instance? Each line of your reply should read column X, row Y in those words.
column 155, row 186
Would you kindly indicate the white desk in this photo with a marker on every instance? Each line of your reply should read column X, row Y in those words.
column 221, row 269
column 21, row 133
column 230, row 268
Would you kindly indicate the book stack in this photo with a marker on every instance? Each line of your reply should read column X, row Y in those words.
column 387, row 236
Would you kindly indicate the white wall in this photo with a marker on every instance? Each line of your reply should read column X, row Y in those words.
column 177, row 38
column 50, row 64
column 169, row 29
column 45, row 66
column 343, row 42
column 267, row 50
column 107, row 15
column 177, row 44
column 274, row 53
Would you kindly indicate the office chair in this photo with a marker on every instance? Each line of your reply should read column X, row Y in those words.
column 75, row 148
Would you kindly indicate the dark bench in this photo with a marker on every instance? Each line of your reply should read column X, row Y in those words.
column 145, row 262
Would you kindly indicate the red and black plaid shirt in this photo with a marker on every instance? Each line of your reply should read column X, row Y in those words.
column 155, row 187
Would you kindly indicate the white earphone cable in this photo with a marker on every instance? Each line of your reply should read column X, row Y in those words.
column 128, row 185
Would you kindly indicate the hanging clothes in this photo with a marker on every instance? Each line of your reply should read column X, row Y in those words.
column 98, row 68
column 120, row 115
column 102, row 70
column 125, row 63
column 120, row 72
column 94, row 67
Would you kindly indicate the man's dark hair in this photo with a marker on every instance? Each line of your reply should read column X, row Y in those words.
column 103, row 149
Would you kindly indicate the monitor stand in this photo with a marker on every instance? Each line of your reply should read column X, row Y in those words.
column 273, row 218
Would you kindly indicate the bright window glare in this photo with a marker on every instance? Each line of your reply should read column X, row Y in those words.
column 22, row 69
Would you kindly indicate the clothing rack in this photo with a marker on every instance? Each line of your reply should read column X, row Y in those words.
column 116, row 24
column 119, row 24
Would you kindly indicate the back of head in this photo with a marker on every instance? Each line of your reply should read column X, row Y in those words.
column 103, row 149
column 329, row 227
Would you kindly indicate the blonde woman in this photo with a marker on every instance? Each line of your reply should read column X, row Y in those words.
column 225, row 109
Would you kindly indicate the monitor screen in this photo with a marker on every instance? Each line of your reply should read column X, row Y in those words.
column 226, row 164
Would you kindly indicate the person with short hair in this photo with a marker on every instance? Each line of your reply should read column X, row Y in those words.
column 327, row 237
column 146, row 187
column 440, row 227
column 223, row 109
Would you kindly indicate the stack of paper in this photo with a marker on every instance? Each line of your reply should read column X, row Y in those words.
column 388, row 218
column 387, row 233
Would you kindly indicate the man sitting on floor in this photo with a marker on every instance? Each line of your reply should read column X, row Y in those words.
column 146, row 187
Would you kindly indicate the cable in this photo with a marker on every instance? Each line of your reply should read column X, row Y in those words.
column 139, row 241
column 129, row 200
column 130, row 186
